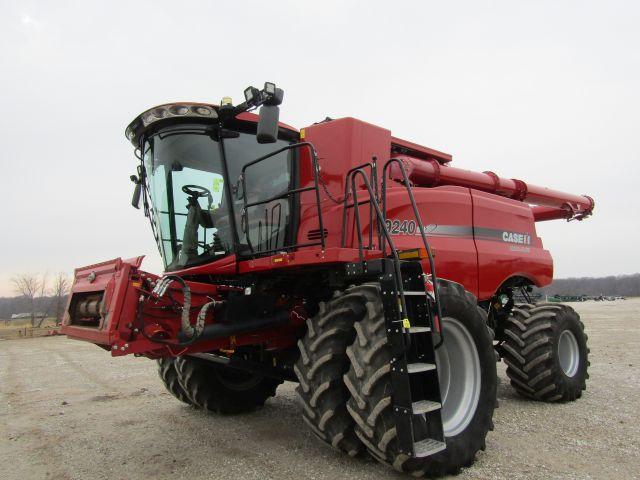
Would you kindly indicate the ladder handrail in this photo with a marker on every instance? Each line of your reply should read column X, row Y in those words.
column 381, row 221
column 416, row 214
column 396, row 282
column 346, row 205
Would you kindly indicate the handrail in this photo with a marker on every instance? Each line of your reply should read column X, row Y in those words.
column 288, row 193
column 418, row 218
column 346, row 205
column 381, row 221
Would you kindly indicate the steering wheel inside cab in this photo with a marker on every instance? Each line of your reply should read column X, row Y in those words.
column 206, row 218
column 197, row 191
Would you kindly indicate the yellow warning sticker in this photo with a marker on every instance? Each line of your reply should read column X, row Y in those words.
column 406, row 323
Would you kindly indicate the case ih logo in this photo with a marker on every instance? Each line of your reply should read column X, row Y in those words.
column 519, row 238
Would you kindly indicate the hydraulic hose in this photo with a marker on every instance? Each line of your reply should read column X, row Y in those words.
column 161, row 288
column 188, row 333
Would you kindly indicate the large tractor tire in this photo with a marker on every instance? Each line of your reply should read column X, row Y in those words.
column 466, row 365
column 169, row 376
column 221, row 389
column 323, row 362
column 546, row 352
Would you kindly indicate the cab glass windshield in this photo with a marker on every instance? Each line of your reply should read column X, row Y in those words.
column 197, row 200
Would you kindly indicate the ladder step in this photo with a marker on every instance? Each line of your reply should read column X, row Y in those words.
column 420, row 367
column 419, row 329
column 424, row 406
column 427, row 447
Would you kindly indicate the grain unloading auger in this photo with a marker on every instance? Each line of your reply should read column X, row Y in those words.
column 546, row 204
column 311, row 256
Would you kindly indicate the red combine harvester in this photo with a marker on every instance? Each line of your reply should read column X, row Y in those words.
column 312, row 256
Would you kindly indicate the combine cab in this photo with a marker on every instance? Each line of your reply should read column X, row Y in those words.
column 360, row 265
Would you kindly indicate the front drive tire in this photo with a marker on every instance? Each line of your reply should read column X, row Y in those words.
column 546, row 353
column 169, row 376
column 323, row 362
column 467, row 341
column 221, row 389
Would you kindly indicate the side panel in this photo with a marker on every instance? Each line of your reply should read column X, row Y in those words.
column 341, row 145
column 507, row 243
column 447, row 217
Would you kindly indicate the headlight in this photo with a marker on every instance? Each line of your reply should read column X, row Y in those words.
column 177, row 110
column 171, row 110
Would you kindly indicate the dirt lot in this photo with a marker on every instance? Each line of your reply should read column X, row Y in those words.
column 70, row 411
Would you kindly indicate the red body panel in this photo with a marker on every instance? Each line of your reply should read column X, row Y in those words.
column 341, row 145
column 447, row 211
column 448, row 218
column 507, row 244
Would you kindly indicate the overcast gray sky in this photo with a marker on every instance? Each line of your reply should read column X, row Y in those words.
column 542, row 91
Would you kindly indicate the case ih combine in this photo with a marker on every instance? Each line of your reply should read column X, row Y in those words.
column 362, row 266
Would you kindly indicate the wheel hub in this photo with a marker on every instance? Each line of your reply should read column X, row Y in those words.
column 568, row 353
column 237, row 379
column 459, row 376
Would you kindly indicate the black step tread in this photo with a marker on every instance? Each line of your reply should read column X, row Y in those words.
column 418, row 329
column 427, row 447
column 424, row 406
column 420, row 367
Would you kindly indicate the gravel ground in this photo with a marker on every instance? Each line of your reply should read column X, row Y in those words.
column 70, row 411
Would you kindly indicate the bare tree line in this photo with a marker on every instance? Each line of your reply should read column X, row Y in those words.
column 38, row 295
column 618, row 285
column 42, row 297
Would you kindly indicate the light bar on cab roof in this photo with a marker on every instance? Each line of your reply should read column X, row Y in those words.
column 172, row 110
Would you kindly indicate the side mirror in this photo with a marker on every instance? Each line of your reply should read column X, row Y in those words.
column 135, row 200
column 268, row 124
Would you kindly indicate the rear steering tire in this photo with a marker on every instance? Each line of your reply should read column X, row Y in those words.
column 468, row 380
column 546, row 353
column 220, row 389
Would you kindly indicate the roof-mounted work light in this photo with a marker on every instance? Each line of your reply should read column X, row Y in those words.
column 251, row 95
column 269, row 88
column 272, row 95
column 267, row 99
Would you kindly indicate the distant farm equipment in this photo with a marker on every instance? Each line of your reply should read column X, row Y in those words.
column 584, row 298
